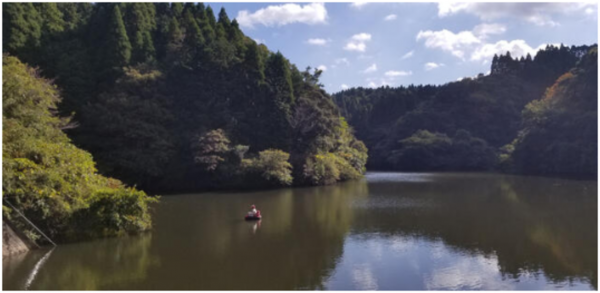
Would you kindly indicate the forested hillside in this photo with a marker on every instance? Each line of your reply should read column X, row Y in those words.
column 471, row 124
column 169, row 97
column 46, row 177
column 560, row 131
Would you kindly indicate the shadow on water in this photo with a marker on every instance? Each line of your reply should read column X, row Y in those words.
column 389, row 231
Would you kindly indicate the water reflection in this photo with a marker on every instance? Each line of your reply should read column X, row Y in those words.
column 390, row 231
column 528, row 225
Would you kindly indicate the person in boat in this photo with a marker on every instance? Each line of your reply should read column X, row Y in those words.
column 253, row 212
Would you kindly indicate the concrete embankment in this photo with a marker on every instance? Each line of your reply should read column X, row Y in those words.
column 13, row 242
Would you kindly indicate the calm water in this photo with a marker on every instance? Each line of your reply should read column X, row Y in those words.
column 387, row 231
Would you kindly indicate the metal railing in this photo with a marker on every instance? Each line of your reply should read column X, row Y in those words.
column 30, row 223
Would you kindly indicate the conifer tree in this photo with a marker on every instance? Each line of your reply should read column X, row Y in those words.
column 176, row 9
column 224, row 19
column 280, row 78
column 22, row 28
column 210, row 15
column 118, row 47
column 253, row 63
column 140, row 20
column 52, row 18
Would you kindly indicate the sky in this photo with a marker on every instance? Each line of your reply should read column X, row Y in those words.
column 375, row 44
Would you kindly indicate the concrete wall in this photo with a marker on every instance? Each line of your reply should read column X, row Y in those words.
column 12, row 242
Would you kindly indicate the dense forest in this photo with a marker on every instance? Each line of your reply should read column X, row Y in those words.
column 164, row 97
column 530, row 115
column 49, row 179
column 169, row 97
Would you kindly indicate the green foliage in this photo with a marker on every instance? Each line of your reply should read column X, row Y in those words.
column 559, row 135
column 151, row 84
column 272, row 165
column 426, row 151
column 488, row 108
column 210, row 149
column 118, row 48
column 47, row 177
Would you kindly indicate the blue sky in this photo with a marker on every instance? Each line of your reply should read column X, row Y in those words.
column 374, row 44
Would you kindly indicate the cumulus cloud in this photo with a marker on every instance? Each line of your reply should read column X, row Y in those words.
column 393, row 73
column 322, row 67
column 408, row 55
column 371, row 68
column 317, row 42
column 517, row 48
column 485, row 29
column 259, row 41
column 278, row 15
column 344, row 86
column 358, row 42
column 390, row 17
column 449, row 41
column 537, row 13
column 433, row 65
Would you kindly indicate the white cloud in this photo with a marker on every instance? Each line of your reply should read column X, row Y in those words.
column 589, row 10
column 371, row 68
column 358, row 5
column 537, row 13
column 322, row 67
column 342, row 61
column 433, row 65
column 449, row 41
column 517, row 48
column 473, row 43
column 344, row 86
column 318, row 42
column 362, row 37
column 357, row 42
column 485, row 29
column 259, row 41
column 390, row 17
column 408, row 55
column 376, row 82
column 278, row 15
column 393, row 73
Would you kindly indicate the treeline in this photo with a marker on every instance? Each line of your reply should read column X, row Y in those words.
column 530, row 115
column 169, row 97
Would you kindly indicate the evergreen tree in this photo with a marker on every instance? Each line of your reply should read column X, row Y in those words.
column 210, row 15
column 176, row 10
column 118, row 48
column 22, row 29
column 141, row 21
column 278, row 73
column 224, row 19
column 53, row 22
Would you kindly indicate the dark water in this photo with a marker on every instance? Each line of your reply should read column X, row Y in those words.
column 388, row 231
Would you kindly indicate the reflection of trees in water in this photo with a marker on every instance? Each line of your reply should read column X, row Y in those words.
column 531, row 224
column 299, row 241
column 92, row 265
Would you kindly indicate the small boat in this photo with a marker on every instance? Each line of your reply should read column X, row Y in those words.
column 255, row 217
column 252, row 218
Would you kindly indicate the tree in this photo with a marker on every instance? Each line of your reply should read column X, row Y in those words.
column 118, row 48
column 210, row 149
column 51, row 181
column 22, row 29
column 273, row 166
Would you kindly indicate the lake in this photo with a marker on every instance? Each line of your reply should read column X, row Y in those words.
column 388, row 231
